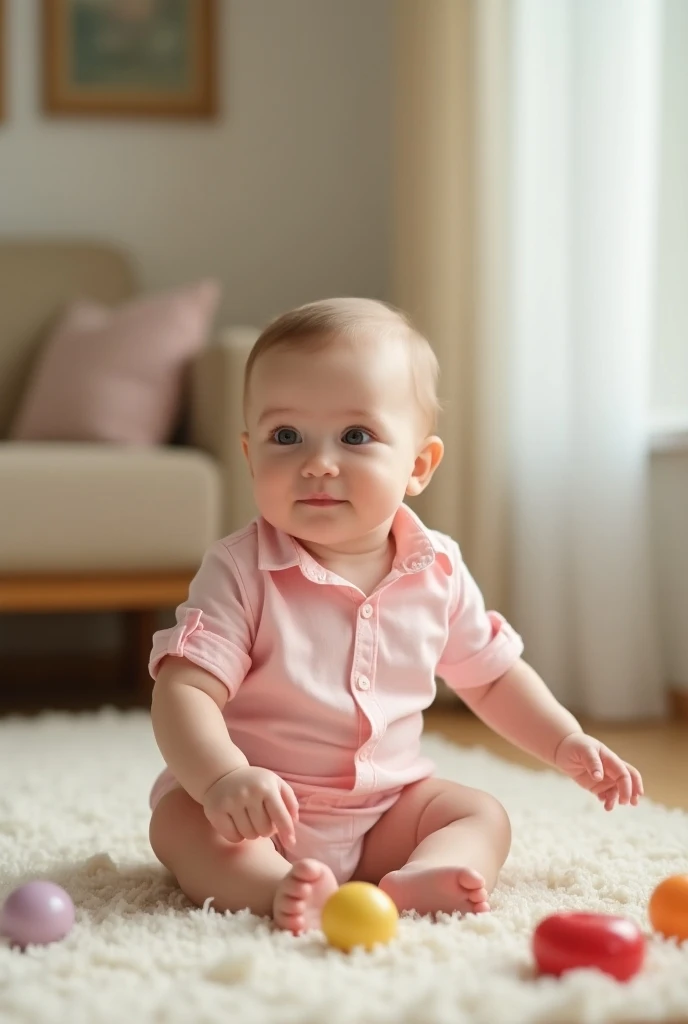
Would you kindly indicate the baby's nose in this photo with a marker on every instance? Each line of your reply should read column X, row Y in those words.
column 320, row 463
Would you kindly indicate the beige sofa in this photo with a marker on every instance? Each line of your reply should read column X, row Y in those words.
column 87, row 527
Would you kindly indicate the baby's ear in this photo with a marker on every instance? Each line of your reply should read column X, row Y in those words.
column 244, row 448
column 427, row 461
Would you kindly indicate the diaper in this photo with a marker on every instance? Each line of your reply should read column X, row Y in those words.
column 331, row 827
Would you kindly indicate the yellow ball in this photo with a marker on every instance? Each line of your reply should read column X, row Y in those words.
column 359, row 914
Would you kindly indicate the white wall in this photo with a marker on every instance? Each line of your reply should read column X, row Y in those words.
column 284, row 197
column 670, row 369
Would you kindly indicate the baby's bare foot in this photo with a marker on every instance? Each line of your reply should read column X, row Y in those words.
column 301, row 896
column 428, row 890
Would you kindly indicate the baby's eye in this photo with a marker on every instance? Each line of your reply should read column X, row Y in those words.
column 356, row 436
column 286, row 436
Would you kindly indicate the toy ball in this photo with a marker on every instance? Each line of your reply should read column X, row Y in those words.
column 570, row 940
column 359, row 914
column 668, row 907
column 38, row 912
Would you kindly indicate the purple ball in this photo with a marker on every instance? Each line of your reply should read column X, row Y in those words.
column 38, row 912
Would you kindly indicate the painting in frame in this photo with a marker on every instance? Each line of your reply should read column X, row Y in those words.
column 128, row 58
column 3, row 61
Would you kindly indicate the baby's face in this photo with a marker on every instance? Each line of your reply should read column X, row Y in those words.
column 333, row 436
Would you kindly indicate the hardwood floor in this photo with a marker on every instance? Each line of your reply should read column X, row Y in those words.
column 658, row 750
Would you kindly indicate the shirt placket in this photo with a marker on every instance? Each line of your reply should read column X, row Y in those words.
column 362, row 685
column 362, row 680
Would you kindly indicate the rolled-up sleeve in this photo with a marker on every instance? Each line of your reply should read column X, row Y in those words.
column 212, row 629
column 481, row 645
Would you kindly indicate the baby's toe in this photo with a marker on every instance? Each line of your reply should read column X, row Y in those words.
column 471, row 879
column 307, row 870
column 296, row 889
column 292, row 905
column 477, row 895
column 295, row 924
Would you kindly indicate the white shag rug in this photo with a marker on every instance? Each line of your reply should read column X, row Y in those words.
column 73, row 809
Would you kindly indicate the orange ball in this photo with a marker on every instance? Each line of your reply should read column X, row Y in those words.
column 668, row 907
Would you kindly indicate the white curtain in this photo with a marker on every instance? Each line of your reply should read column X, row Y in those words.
column 548, row 393
column 583, row 199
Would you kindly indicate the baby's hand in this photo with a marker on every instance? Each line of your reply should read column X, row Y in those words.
column 599, row 770
column 251, row 802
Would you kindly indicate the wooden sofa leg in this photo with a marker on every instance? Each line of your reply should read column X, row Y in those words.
column 139, row 628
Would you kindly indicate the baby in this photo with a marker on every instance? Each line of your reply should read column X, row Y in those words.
column 288, row 698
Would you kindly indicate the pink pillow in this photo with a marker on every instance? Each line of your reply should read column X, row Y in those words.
column 117, row 374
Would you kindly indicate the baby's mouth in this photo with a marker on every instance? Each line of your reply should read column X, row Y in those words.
column 320, row 500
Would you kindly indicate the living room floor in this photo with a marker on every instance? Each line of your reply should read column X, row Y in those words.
column 659, row 750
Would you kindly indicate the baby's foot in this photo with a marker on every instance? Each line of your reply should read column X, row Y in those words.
column 301, row 896
column 428, row 890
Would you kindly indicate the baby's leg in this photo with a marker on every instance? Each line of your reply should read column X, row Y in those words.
column 440, row 847
column 250, row 875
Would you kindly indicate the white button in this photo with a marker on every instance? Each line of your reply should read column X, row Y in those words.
column 415, row 564
column 366, row 611
column 363, row 682
column 363, row 755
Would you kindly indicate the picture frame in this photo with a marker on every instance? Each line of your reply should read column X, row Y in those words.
column 130, row 58
column 3, row 60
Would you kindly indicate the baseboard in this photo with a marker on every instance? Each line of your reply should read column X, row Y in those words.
column 65, row 682
column 678, row 702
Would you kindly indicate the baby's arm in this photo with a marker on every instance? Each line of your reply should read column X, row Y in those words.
column 521, row 708
column 189, row 727
column 481, row 662
column 239, row 800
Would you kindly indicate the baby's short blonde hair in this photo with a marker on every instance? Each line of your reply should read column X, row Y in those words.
column 316, row 324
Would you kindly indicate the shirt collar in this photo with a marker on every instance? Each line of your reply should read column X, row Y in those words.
column 417, row 547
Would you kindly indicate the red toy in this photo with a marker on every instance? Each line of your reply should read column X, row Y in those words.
column 570, row 940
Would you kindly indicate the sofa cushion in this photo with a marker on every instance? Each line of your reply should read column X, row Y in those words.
column 116, row 375
column 40, row 278
column 85, row 508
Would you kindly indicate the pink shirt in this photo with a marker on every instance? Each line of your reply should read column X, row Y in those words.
column 327, row 686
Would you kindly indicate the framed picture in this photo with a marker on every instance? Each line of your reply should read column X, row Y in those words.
column 3, row 60
column 154, row 58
